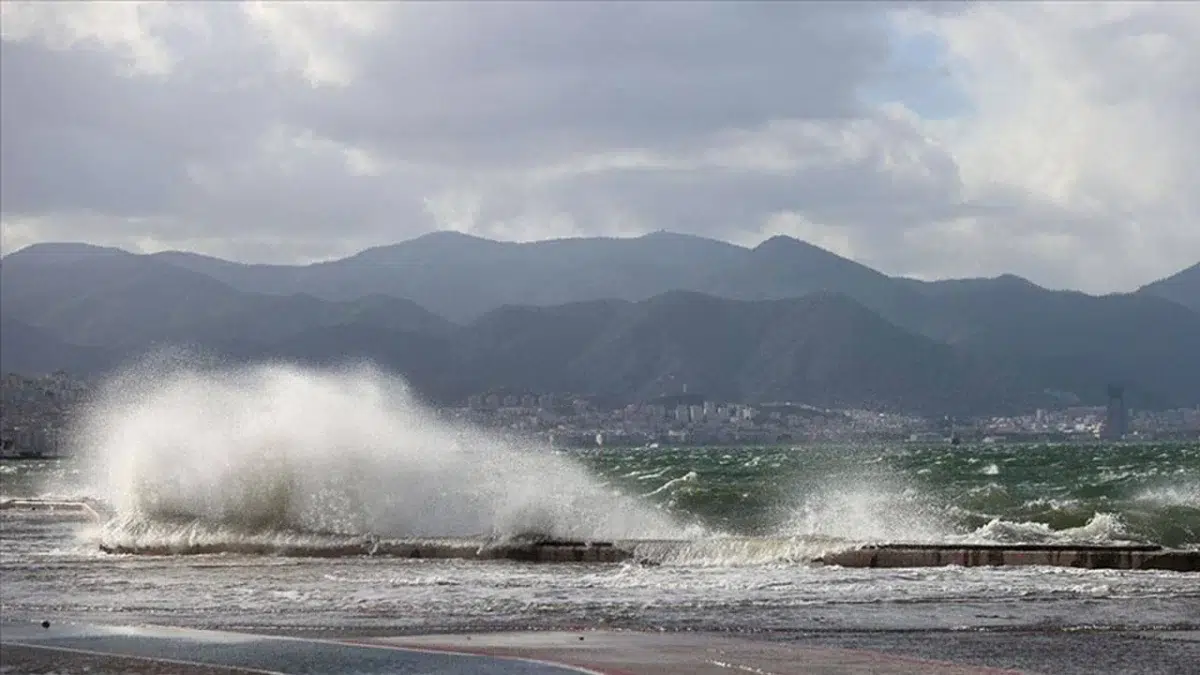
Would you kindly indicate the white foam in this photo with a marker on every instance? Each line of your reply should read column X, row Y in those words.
column 739, row 551
column 689, row 477
column 1101, row 528
column 868, row 510
column 1183, row 494
column 347, row 451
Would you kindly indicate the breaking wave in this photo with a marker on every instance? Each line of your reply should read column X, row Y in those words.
column 874, row 511
column 1100, row 529
column 182, row 453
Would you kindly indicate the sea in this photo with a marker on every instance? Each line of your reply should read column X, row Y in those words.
column 180, row 456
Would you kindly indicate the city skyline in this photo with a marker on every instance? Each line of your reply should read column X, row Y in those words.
column 38, row 410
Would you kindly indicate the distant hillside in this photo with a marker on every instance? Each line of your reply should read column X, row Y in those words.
column 461, row 277
column 1183, row 288
column 612, row 315
column 783, row 267
column 25, row 349
column 119, row 300
column 825, row 350
column 1073, row 342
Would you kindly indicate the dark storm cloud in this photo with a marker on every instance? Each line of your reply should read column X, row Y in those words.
column 465, row 89
column 496, row 84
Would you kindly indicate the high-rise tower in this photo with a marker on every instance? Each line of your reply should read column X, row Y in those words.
column 1116, row 421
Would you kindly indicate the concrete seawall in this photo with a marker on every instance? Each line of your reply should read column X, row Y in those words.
column 63, row 509
column 1137, row 557
column 542, row 552
column 1094, row 557
column 1090, row 557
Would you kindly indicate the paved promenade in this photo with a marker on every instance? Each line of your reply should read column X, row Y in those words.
column 71, row 648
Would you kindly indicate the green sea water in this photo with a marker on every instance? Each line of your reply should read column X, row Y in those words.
column 1075, row 493
column 1009, row 493
column 1060, row 493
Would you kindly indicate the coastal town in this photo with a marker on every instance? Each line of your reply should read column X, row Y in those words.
column 37, row 411
column 690, row 419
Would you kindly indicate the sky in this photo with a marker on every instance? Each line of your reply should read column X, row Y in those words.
column 1059, row 141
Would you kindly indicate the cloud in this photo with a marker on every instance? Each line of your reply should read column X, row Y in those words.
column 124, row 33
column 928, row 139
column 1083, row 134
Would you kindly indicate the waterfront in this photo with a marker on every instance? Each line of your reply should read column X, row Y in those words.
column 1095, row 495
column 39, row 410
column 279, row 454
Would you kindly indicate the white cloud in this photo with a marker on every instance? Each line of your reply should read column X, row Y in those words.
column 1084, row 123
column 130, row 29
column 828, row 237
column 456, row 210
column 295, row 131
column 317, row 39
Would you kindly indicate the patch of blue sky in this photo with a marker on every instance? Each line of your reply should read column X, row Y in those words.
column 917, row 75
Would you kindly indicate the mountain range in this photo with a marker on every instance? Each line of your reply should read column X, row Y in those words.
column 626, row 318
column 1183, row 287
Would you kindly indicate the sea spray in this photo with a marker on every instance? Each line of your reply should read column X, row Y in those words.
column 182, row 451
column 868, row 508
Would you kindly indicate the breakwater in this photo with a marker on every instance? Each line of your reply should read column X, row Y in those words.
column 880, row 556
column 1124, row 557
column 1089, row 557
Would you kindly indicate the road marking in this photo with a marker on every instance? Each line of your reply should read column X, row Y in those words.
column 460, row 652
column 197, row 636
column 151, row 659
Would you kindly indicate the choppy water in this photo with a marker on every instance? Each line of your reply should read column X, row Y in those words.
column 1005, row 493
column 183, row 455
column 1094, row 493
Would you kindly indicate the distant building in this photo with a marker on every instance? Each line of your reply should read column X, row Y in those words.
column 1116, row 419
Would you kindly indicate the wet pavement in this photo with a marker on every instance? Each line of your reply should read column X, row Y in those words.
column 161, row 650
column 93, row 648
